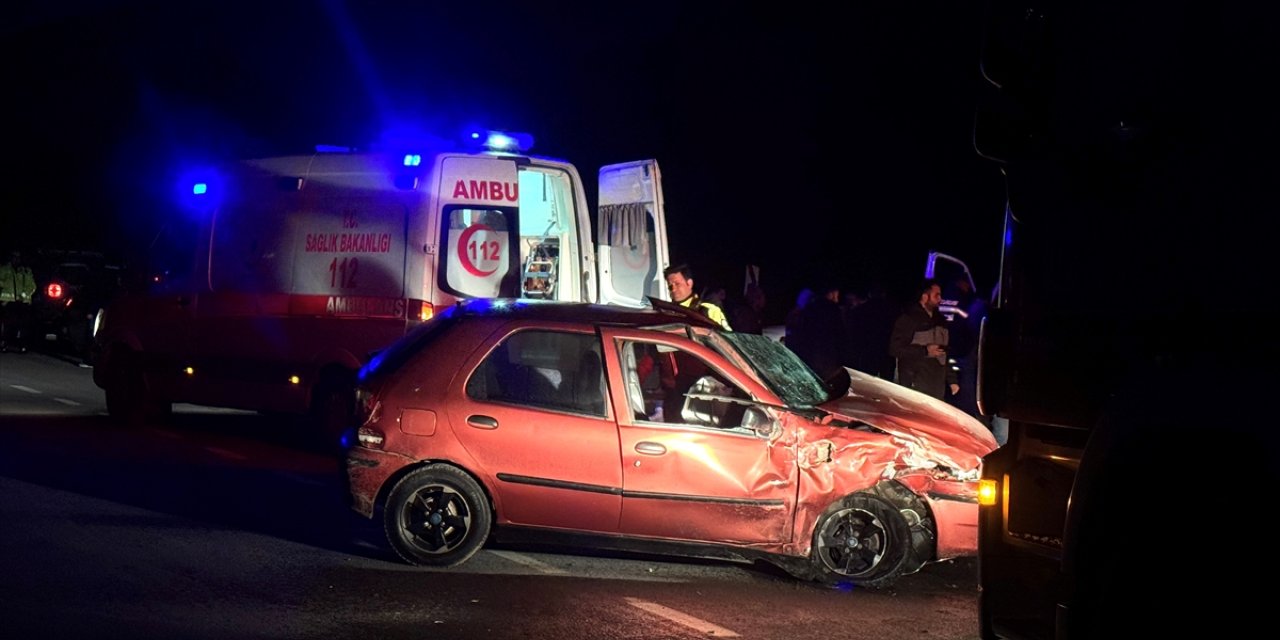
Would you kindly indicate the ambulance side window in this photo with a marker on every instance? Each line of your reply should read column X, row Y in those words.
column 477, row 252
column 251, row 250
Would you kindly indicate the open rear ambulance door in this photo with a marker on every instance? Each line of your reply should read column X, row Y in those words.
column 632, row 234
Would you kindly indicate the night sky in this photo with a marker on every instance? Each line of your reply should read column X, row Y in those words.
column 819, row 142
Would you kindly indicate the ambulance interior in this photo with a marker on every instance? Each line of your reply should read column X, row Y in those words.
column 548, row 230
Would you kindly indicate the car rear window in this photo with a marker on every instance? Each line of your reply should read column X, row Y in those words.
column 393, row 357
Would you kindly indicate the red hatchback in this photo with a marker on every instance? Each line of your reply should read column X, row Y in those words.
column 654, row 430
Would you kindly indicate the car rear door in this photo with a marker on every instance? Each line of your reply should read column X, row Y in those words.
column 534, row 414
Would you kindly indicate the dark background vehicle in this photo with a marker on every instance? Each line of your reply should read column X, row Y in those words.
column 1130, row 346
column 72, row 287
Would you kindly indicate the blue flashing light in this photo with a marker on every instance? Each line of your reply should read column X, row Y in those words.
column 347, row 439
column 198, row 190
column 502, row 142
column 371, row 367
column 412, row 159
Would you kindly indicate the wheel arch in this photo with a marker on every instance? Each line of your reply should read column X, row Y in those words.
column 919, row 517
column 380, row 500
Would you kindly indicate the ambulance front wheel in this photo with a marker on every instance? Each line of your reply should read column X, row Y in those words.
column 333, row 405
column 130, row 398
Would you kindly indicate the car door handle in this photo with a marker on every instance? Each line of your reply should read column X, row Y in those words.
column 482, row 422
column 650, row 448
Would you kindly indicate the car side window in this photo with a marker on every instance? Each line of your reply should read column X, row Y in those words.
column 658, row 378
column 554, row 370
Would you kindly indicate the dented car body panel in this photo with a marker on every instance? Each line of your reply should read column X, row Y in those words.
column 556, row 412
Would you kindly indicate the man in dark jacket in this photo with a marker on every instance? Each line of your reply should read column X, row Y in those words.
column 919, row 342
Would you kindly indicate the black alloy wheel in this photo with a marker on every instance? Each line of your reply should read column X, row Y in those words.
column 862, row 539
column 437, row 516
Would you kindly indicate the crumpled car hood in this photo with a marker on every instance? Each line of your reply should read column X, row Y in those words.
column 946, row 433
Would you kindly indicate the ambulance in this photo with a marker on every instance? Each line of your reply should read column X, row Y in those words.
column 304, row 266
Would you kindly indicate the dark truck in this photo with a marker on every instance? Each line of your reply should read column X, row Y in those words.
column 1132, row 346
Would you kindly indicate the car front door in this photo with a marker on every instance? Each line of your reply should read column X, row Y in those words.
column 695, row 477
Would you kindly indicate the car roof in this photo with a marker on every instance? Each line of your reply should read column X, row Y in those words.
column 556, row 311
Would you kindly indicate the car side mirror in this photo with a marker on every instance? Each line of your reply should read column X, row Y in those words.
column 759, row 421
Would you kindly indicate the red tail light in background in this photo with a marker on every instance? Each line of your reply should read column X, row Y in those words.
column 53, row 291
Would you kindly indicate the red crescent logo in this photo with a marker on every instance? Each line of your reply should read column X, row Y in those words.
column 462, row 250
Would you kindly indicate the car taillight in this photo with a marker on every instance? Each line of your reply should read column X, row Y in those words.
column 369, row 438
column 53, row 291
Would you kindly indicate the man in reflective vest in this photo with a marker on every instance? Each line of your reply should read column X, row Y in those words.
column 17, row 286
column 680, row 284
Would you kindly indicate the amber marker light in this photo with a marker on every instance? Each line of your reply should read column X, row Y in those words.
column 986, row 492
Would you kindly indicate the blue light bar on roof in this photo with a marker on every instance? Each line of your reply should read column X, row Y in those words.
column 502, row 141
column 412, row 159
column 199, row 188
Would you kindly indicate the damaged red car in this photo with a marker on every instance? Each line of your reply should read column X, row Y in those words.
column 654, row 430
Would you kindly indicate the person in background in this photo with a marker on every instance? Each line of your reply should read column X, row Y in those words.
column 17, row 287
column 678, row 371
column 868, row 326
column 822, row 331
column 748, row 315
column 963, row 348
column 715, row 295
column 919, row 342
column 795, row 333
column 680, row 284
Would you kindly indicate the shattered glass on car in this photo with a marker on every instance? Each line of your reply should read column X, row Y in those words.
column 777, row 366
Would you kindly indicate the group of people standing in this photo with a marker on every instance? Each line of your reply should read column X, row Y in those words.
column 916, row 346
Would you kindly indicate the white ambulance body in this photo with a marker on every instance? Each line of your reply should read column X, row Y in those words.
column 305, row 265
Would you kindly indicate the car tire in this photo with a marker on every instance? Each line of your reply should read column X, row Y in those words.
column 862, row 539
column 437, row 516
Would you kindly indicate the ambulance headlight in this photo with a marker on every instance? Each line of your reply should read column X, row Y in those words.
column 98, row 320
